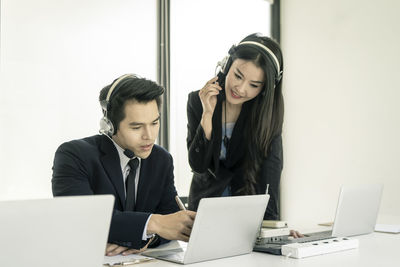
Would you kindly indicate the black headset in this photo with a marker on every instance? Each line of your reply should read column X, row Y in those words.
column 224, row 65
column 106, row 126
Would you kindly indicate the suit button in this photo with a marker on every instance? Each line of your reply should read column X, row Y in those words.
column 197, row 150
column 201, row 142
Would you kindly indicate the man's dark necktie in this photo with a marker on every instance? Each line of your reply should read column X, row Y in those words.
column 130, row 185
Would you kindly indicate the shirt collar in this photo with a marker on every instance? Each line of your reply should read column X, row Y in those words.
column 122, row 157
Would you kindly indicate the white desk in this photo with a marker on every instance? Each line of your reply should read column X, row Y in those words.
column 375, row 250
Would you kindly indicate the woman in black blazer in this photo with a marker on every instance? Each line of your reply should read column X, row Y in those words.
column 234, row 126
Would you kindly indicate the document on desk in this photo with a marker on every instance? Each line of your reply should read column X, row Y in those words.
column 388, row 228
column 125, row 260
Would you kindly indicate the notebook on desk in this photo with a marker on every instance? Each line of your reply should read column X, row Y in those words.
column 61, row 232
column 356, row 214
column 224, row 227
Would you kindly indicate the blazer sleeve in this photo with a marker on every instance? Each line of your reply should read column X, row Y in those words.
column 199, row 148
column 72, row 176
column 271, row 170
column 168, row 203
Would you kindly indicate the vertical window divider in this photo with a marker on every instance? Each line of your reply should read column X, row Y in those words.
column 163, row 67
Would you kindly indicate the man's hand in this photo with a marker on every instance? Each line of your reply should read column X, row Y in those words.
column 175, row 226
column 113, row 249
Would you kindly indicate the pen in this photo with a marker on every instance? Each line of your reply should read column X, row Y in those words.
column 128, row 262
column 179, row 202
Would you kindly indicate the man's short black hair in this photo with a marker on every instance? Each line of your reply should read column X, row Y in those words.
column 130, row 88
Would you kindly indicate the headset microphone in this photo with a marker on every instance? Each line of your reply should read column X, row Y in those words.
column 127, row 152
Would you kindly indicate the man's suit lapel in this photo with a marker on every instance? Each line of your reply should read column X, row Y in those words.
column 111, row 163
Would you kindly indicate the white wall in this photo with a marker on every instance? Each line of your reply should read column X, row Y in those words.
column 55, row 58
column 341, row 87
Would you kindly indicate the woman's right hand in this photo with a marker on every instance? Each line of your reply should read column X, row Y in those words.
column 208, row 96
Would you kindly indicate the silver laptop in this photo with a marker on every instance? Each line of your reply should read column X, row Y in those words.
column 356, row 214
column 224, row 227
column 61, row 231
column 357, row 210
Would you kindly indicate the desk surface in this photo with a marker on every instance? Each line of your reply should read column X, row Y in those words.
column 376, row 249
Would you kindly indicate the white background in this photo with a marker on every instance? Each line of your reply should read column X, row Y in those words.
column 342, row 112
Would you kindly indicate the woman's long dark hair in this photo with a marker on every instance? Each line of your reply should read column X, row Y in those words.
column 266, row 112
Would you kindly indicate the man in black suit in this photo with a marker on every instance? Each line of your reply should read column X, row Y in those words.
column 124, row 161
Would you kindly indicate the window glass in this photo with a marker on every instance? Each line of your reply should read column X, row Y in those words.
column 201, row 34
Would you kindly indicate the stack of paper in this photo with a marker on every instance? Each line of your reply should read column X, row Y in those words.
column 388, row 228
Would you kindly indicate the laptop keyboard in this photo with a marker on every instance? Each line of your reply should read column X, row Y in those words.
column 282, row 240
column 311, row 238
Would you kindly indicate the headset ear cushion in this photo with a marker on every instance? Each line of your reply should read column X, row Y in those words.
column 227, row 64
column 232, row 49
column 221, row 79
column 279, row 77
column 106, row 126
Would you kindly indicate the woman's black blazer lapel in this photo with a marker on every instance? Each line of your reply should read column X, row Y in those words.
column 235, row 150
column 217, row 132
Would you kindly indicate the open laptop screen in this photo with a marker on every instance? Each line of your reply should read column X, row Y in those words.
column 62, row 231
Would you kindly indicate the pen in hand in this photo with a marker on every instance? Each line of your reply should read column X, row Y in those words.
column 179, row 202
